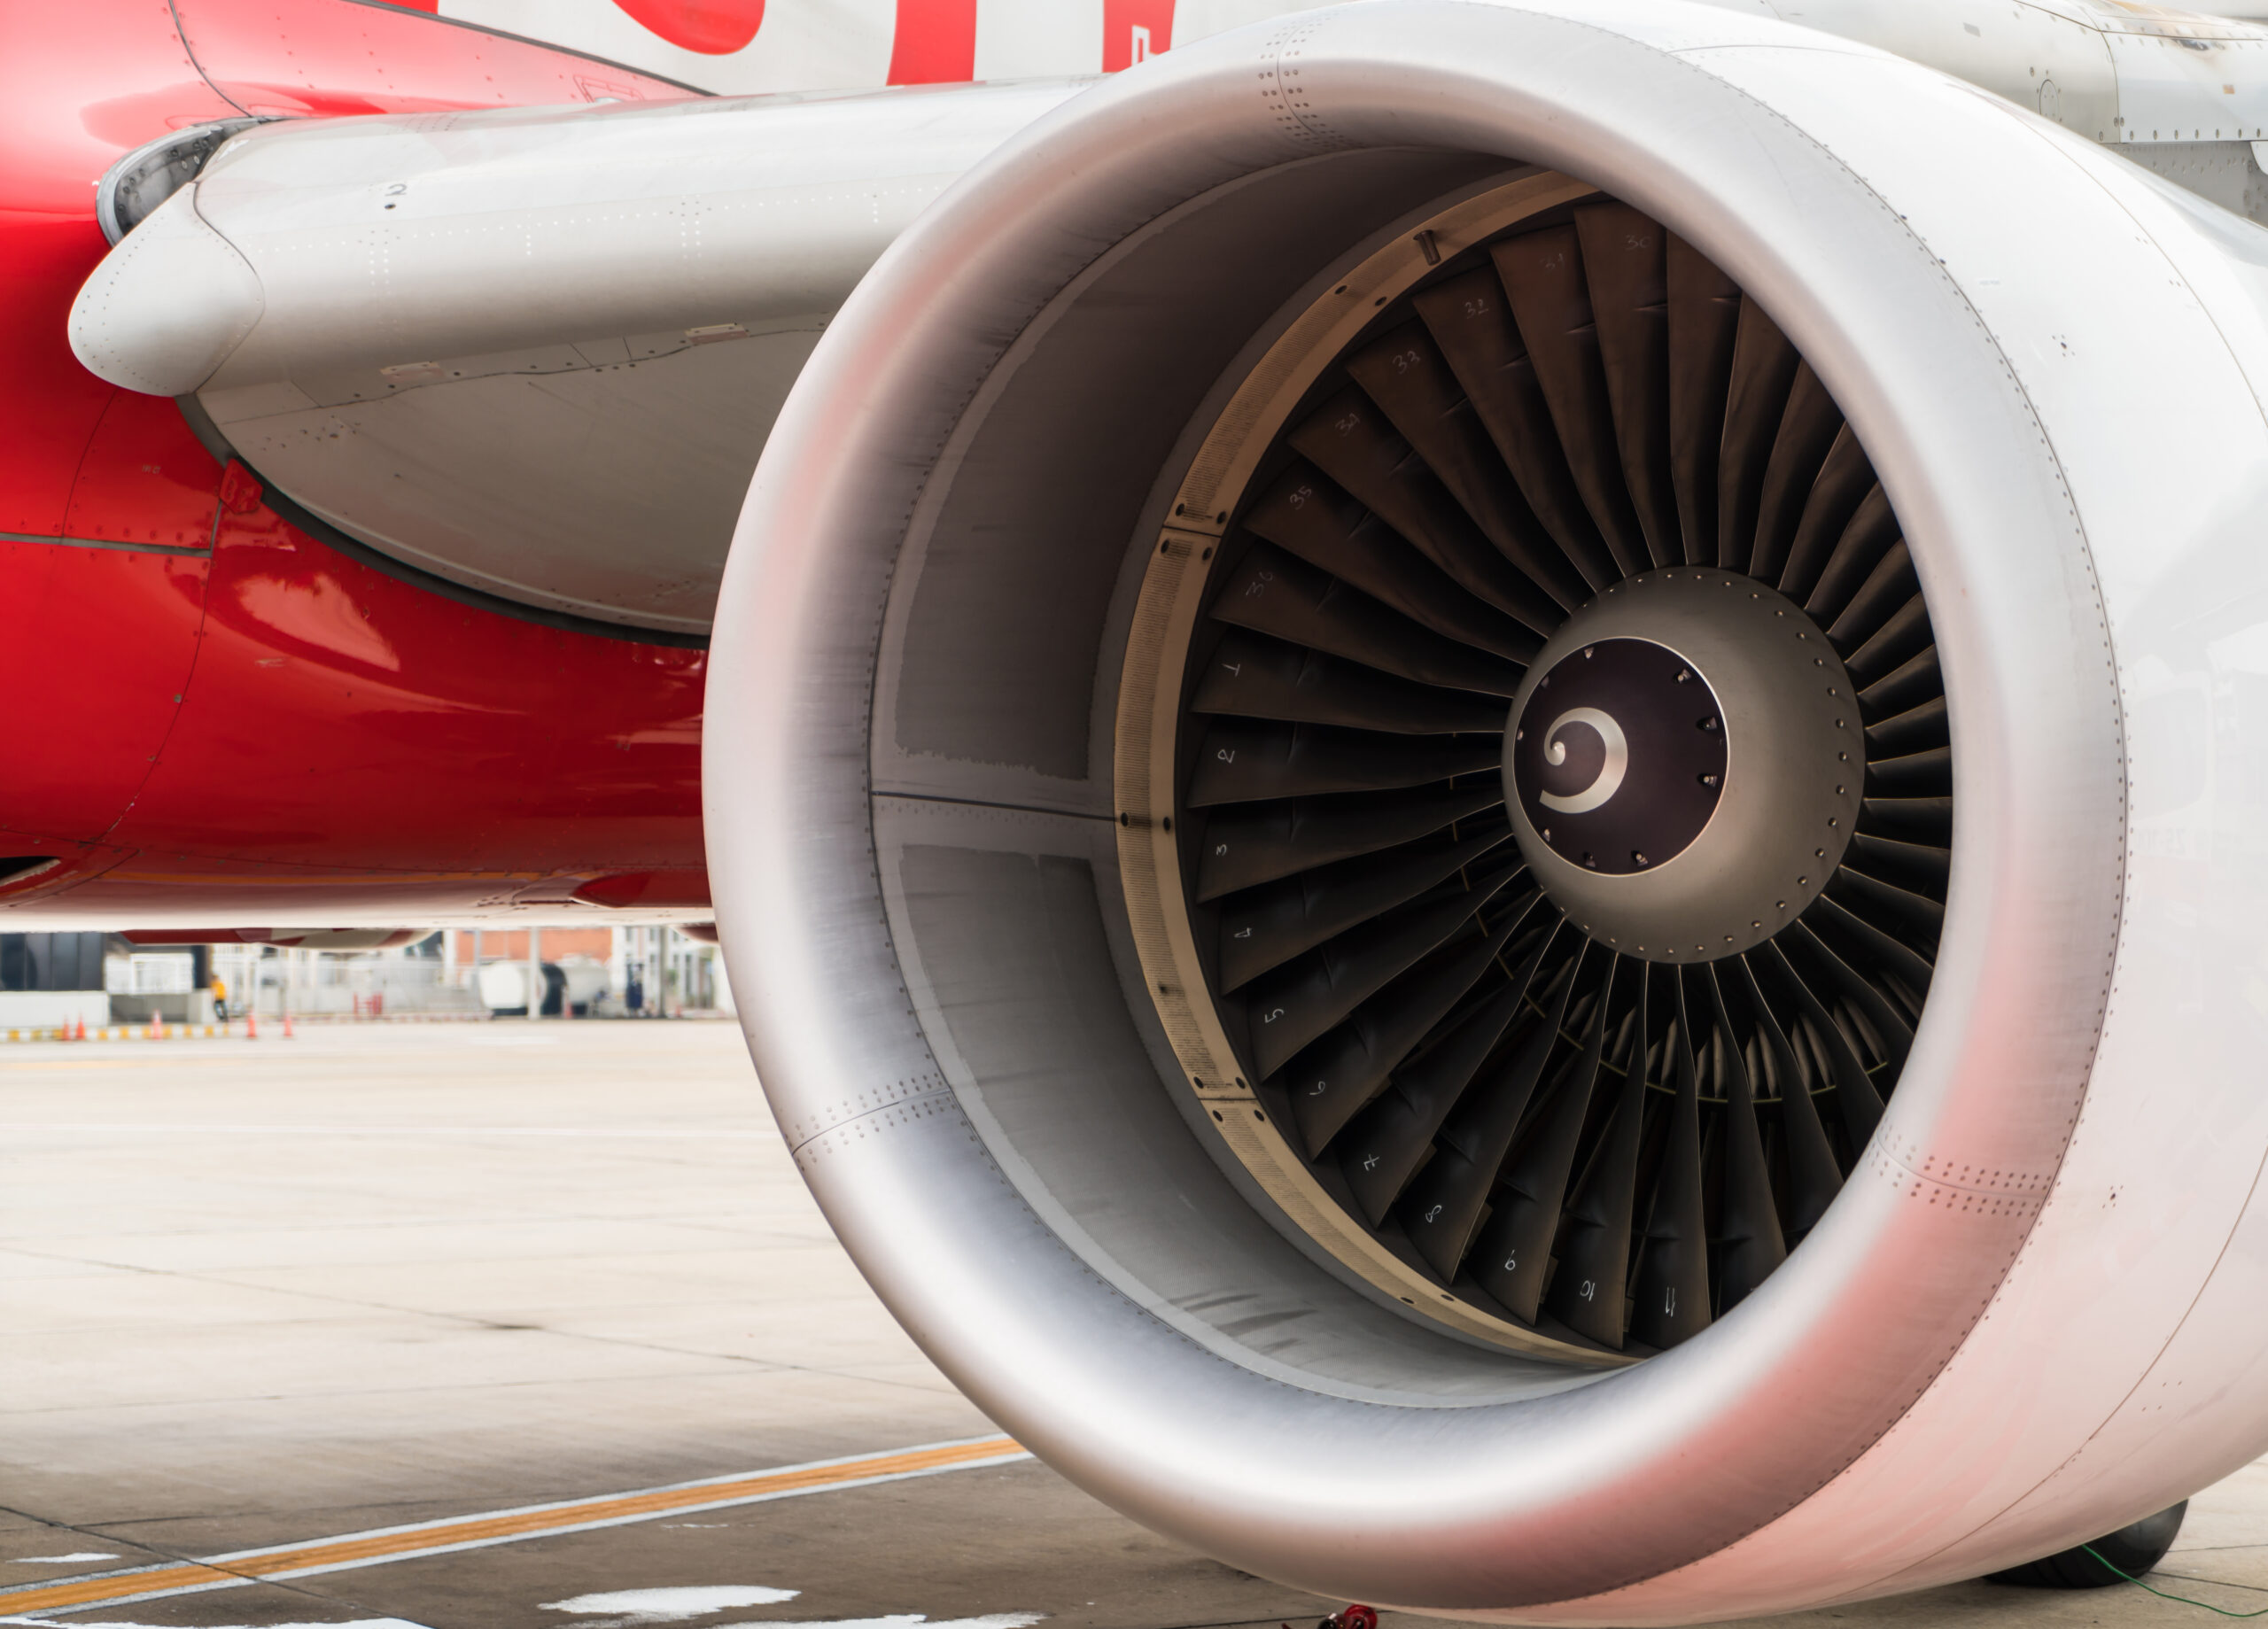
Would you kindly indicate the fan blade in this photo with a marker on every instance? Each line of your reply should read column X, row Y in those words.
column 1351, row 442
column 1250, row 844
column 1913, row 730
column 1624, row 264
column 1889, row 588
column 1266, row 926
column 1872, row 533
column 1514, row 1250
column 1247, row 760
column 1704, row 327
column 1873, row 904
column 1892, row 1034
column 1542, row 275
column 1860, row 1103
column 1843, row 482
column 1469, row 319
column 1339, row 1075
column 1807, row 430
column 1305, row 514
column 1270, row 591
column 1748, row 1217
column 1912, row 682
column 1589, row 1292
column 1443, row 1207
column 1918, row 868
column 1671, row 1303
column 1298, row 1000
column 1813, row 1177
column 1764, row 368
column 1383, row 1147
column 1927, row 820
column 1906, row 634
column 1921, row 774
column 1406, row 374
column 1261, row 677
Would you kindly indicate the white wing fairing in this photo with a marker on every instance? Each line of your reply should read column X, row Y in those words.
column 534, row 352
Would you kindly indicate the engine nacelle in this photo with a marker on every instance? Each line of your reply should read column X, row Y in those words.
column 1678, row 602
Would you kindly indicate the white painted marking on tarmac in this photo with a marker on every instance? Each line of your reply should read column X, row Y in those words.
column 900, row 1620
column 669, row 1606
column 347, row 1623
column 44, row 1560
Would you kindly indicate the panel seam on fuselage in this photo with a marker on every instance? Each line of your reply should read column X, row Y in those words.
column 131, row 549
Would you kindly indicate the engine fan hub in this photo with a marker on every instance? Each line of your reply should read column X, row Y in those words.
column 1684, row 765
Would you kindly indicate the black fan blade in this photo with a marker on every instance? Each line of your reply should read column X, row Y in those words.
column 1925, row 820
column 1807, row 429
column 1914, row 729
column 1542, row 275
column 1903, row 636
column 1341, row 1074
column 1250, row 844
column 1835, row 939
column 1912, row 682
column 1256, row 676
column 1921, row 774
column 1385, row 1144
column 1843, row 483
column 1671, row 1300
column 1247, row 760
column 1270, row 591
column 1703, row 327
column 1764, row 368
column 1748, row 1217
column 1917, row 867
column 1443, row 1207
column 1471, row 322
column 1513, row 1253
column 1409, row 379
column 1353, row 443
column 1297, row 1002
column 1859, row 1103
column 1624, row 264
column 1589, row 1291
column 1889, row 588
column 1876, row 907
column 1305, row 514
column 1266, row 926
column 1813, row 1177
column 1872, row 533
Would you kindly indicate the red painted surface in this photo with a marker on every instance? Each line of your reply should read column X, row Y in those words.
column 934, row 43
column 1134, row 31
column 715, row 27
column 215, row 719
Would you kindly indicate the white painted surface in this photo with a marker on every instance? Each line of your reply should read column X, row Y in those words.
column 44, row 1009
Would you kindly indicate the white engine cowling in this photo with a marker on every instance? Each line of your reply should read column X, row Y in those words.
column 960, row 687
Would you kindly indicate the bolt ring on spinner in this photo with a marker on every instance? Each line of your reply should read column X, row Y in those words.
column 1577, row 1092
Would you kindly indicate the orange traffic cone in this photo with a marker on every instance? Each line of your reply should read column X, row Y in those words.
column 81, row 1034
column 287, row 1025
column 252, row 1025
column 157, row 1027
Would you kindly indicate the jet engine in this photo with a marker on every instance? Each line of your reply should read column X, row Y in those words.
column 1484, row 783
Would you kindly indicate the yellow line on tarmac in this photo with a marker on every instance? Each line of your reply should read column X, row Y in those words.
column 464, row 1533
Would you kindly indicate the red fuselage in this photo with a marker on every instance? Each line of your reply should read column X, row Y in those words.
column 214, row 716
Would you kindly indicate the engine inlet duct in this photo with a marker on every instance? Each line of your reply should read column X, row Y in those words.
column 1480, row 775
column 1584, row 1020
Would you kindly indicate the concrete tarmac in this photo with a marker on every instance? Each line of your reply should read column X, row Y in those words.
column 265, row 1294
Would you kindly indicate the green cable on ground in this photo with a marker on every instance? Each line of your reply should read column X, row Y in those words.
column 2161, row 1594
